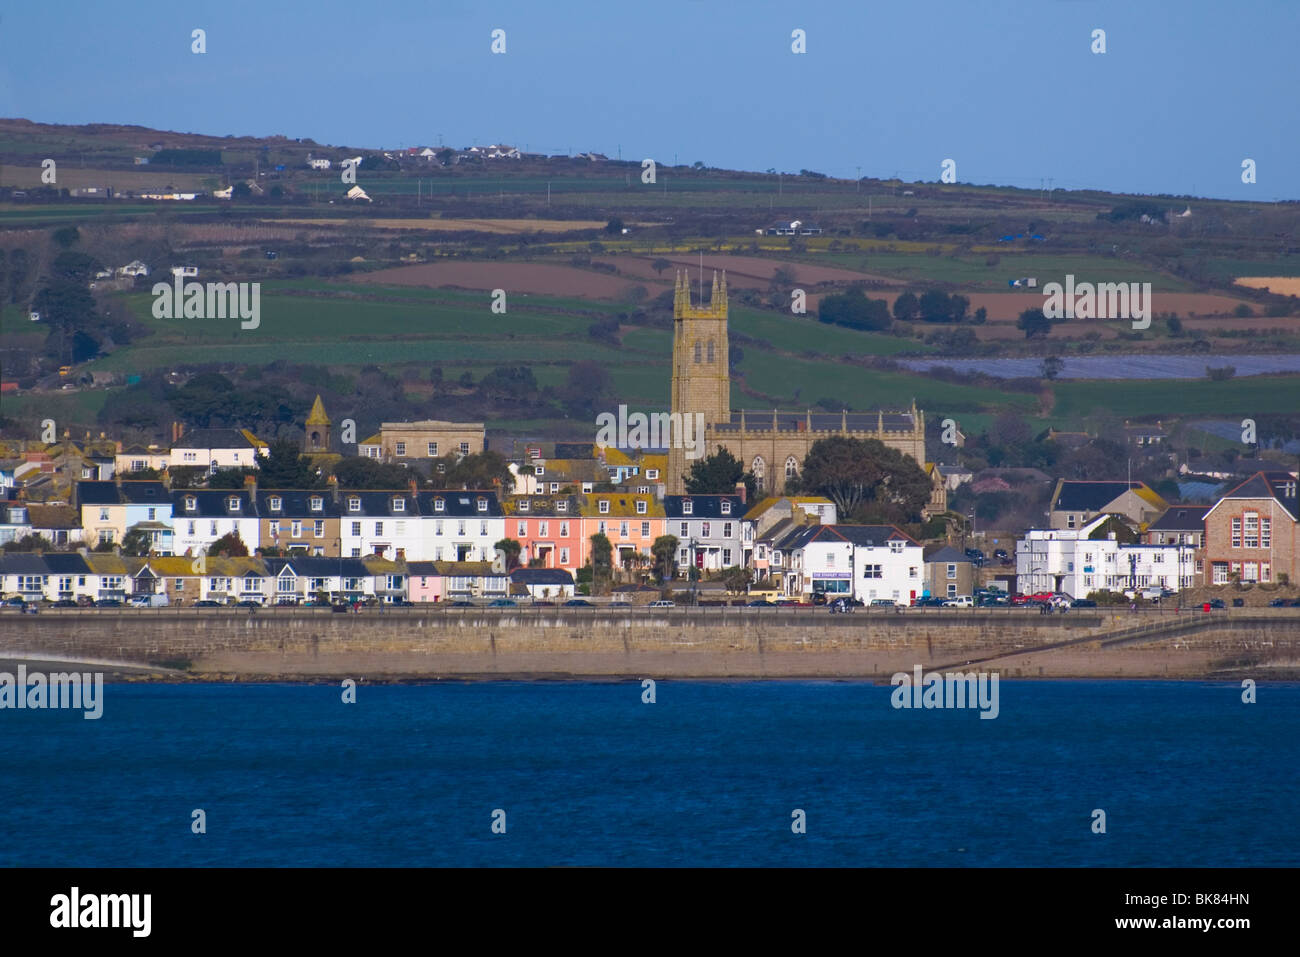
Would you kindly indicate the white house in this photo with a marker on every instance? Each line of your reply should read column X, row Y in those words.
column 318, row 163
column 460, row 526
column 185, row 272
column 1069, row 561
column 541, row 583
column 866, row 562
column 216, row 449
column 201, row 516
column 382, row 523
column 135, row 268
column 226, row 193
column 356, row 192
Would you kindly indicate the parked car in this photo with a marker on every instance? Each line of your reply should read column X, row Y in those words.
column 207, row 603
column 15, row 602
column 1084, row 603
column 65, row 603
column 840, row 606
column 959, row 601
column 663, row 603
column 543, row 604
column 580, row 603
column 1238, row 603
column 883, row 603
column 790, row 602
column 150, row 601
column 460, row 603
column 503, row 603
column 248, row 603
column 761, row 603
column 1001, row 555
column 108, row 603
column 620, row 604
column 1216, row 603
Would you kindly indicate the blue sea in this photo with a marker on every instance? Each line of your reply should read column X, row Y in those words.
column 709, row 774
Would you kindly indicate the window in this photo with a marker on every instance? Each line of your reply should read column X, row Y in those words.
column 297, row 528
column 564, row 556
column 482, row 528
column 872, row 571
column 105, row 536
column 354, row 504
column 1251, row 539
column 603, row 507
column 791, row 467
column 213, row 530
column 685, row 529
column 460, row 527
column 317, row 503
column 356, row 528
column 704, row 529
column 191, row 530
column 710, row 350
column 640, row 507
column 482, row 505
column 652, row 474
column 399, row 504
column 276, row 503
column 726, row 507
column 1265, row 533
column 622, row 529
column 726, row 529
column 379, row 528
column 726, row 557
column 401, row 529
column 1236, row 533
column 952, row 571
column 1265, row 572
column 830, row 559
column 699, row 347
column 544, row 529
column 464, row 448
column 103, row 512
column 275, row 528
column 153, row 514
column 1069, row 521
column 233, row 504
column 437, row 527
column 319, row 529
column 896, row 548
column 688, row 507
column 439, row 505
column 521, row 529
column 645, row 529
column 539, row 469
column 523, row 505
column 433, row 450
column 601, row 528
column 561, row 506
column 952, row 591
column 401, row 448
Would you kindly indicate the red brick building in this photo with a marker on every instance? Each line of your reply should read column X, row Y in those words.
column 1254, row 531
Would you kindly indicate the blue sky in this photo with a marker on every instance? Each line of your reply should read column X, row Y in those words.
column 1009, row 89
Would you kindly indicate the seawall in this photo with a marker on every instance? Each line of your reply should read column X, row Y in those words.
column 414, row 644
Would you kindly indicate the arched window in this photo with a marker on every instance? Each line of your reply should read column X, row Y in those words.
column 759, row 468
column 697, row 351
column 710, row 350
column 791, row 467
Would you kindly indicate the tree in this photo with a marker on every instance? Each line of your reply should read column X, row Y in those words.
column 717, row 474
column 981, row 316
column 481, row 470
column 242, row 190
column 229, row 544
column 906, row 307
column 602, row 557
column 1033, row 323
column 512, row 549
column 136, row 542
column 67, row 236
column 737, row 579
column 866, row 479
column 363, row 473
column 229, row 478
column 614, row 227
column 1052, row 367
column 659, row 265
column 854, row 310
column 664, row 551
column 284, row 467
column 588, row 389
column 30, row 543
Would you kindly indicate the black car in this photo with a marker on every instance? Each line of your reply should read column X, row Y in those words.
column 65, row 603
column 1216, row 603
column 1083, row 603
column 577, row 603
column 460, row 604
column 1001, row 555
column 931, row 602
column 207, row 603
column 248, row 603
column 109, row 603
column 761, row 603
column 1279, row 603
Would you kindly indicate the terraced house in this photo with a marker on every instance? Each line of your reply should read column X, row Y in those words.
column 631, row 521
column 299, row 521
column 459, row 526
column 201, row 516
column 548, row 529
column 1252, row 534
column 382, row 523
column 110, row 509
column 711, row 530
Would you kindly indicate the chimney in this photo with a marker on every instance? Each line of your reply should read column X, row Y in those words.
column 118, row 445
column 250, row 484
column 741, row 491
column 415, row 489
column 83, row 551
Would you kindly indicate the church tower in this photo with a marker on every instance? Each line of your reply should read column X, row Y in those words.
column 317, row 438
column 701, row 374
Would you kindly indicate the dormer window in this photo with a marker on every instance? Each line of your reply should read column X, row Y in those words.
column 399, row 504
column 539, row 469
column 482, row 505
column 317, row 503
column 233, row 504
column 275, row 503
column 561, row 506
column 523, row 505
column 439, row 505
column 640, row 507
column 688, row 507
column 726, row 507
column 191, row 503
column 603, row 506
column 354, row 504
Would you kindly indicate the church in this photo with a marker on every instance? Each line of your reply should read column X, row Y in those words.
column 770, row 443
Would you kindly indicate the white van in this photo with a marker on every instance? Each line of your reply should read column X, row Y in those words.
column 159, row 600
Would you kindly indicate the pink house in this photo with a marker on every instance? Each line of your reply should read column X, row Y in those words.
column 454, row 581
column 548, row 529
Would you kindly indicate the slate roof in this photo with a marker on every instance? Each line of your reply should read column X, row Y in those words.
column 1274, row 485
column 946, row 555
column 315, row 566
column 211, row 503
column 296, row 503
column 704, row 506
column 541, row 576
column 1081, row 496
column 214, row 439
column 97, row 493
column 1181, row 518
column 372, row 502
column 460, row 503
